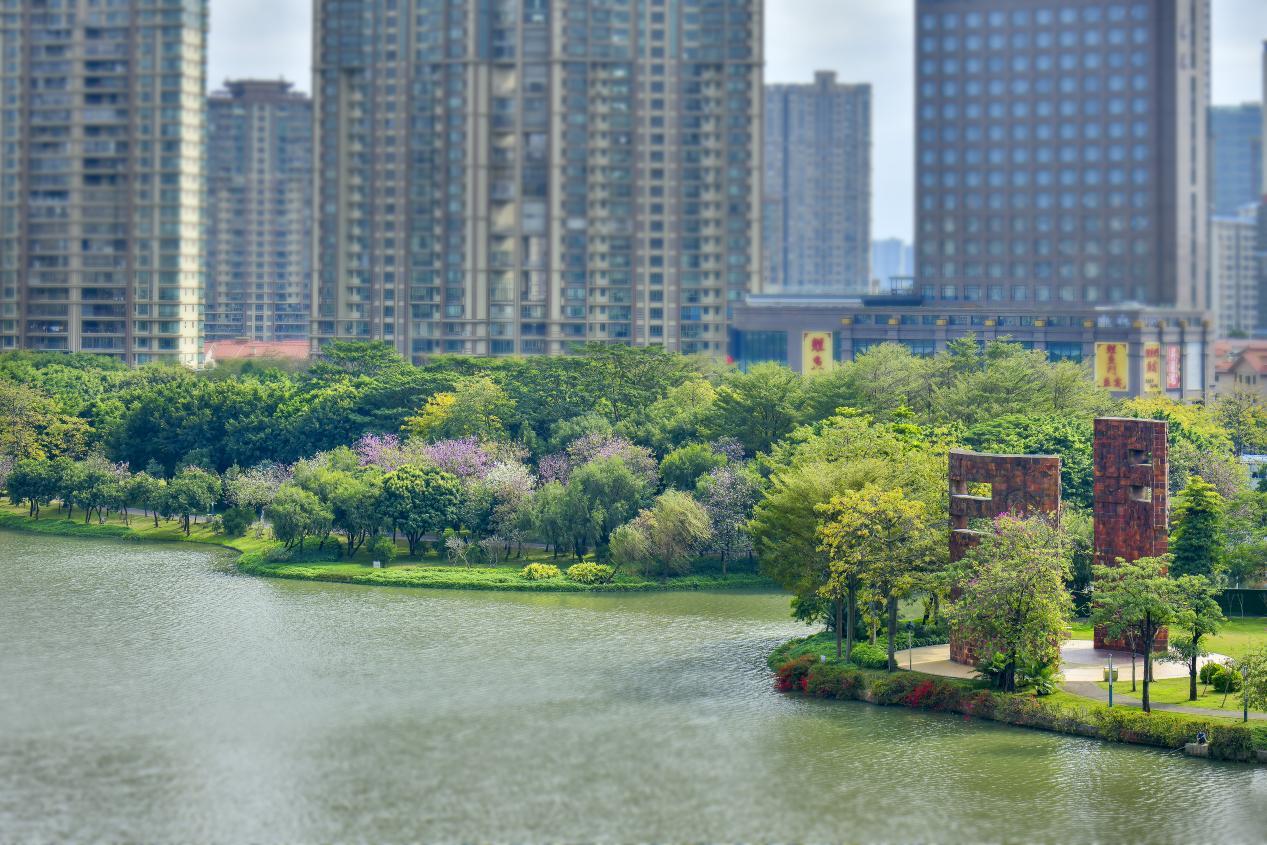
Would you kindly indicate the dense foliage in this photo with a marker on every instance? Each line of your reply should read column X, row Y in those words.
column 649, row 461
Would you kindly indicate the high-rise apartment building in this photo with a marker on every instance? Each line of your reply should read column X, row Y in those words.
column 1234, row 254
column 1061, row 150
column 513, row 176
column 1061, row 198
column 817, row 196
column 1236, row 151
column 102, row 139
column 259, row 212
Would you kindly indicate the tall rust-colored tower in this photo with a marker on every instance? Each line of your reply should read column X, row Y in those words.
column 1022, row 485
column 1131, row 475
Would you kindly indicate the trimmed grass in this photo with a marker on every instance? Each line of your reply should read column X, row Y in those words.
column 1175, row 691
column 429, row 570
column 1237, row 636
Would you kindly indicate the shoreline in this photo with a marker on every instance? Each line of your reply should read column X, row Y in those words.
column 252, row 560
column 801, row 671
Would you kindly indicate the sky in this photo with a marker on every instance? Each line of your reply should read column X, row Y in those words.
column 862, row 40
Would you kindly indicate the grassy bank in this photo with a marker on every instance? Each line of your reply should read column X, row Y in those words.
column 257, row 557
column 799, row 668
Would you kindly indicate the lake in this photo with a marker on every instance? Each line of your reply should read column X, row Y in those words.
column 150, row 693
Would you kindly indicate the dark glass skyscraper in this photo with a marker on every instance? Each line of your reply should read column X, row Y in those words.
column 1061, row 151
column 513, row 176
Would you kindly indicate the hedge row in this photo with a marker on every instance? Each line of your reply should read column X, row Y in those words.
column 840, row 680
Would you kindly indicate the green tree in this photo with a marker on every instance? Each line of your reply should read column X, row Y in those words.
column 356, row 508
column 682, row 468
column 1136, row 596
column 1014, row 600
column 1243, row 417
column 34, row 481
column 601, row 495
column 1253, row 667
column 421, row 500
column 1197, row 540
column 665, row 538
column 146, row 491
column 193, row 491
column 297, row 514
column 1199, row 617
column 757, row 407
column 891, row 537
column 476, row 407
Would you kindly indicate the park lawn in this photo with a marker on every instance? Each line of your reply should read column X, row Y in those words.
column 1175, row 691
column 1237, row 636
column 427, row 570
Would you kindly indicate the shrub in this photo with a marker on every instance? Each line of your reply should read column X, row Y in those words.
column 1208, row 671
column 834, row 680
column 1165, row 730
column 540, row 571
column 870, row 656
column 794, row 675
column 1231, row 742
column 589, row 573
column 980, row 703
column 1226, row 680
column 235, row 522
column 894, row 689
column 382, row 549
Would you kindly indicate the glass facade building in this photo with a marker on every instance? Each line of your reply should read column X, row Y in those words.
column 1061, row 151
column 102, row 141
column 1236, row 147
column 817, row 203
column 501, row 177
column 259, row 212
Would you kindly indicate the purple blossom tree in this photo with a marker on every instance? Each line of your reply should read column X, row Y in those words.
column 729, row 448
column 464, row 457
column 597, row 446
column 555, row 467
column 729, row 497
column 380, row 450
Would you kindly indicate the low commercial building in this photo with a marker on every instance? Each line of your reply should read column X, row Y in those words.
column 1133, row 349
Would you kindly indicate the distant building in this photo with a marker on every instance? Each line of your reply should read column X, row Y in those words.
column 891, row 259
column 1061, row 197
column 102, row 147
column 817, row 187
column 504, row 178
column 1235, row 268
column 259, row 212
column 1236, row 152
column 236, row 350
column 1240, row 366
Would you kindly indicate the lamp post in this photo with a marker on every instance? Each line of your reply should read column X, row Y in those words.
column 1245, row 687
column 1110, row 679
column 910, row 646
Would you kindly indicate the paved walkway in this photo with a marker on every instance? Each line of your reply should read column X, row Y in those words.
column 1080, row 660
column 1088, row 689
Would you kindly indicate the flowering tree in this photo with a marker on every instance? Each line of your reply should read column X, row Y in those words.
column 595, row 447
column 380, row 450
column 464, row 457
column 256, row 487
column 554, row 467
column 728, row 496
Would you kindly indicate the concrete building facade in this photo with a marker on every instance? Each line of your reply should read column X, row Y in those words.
column 817, row 195
column 102, row 141
column 500, row 177
column 259, row 212
column 1235, row 269
column 1062, row 151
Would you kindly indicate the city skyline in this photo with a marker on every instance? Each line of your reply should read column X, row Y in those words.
column 864, row 41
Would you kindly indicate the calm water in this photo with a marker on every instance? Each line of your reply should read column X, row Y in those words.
column 150, row 694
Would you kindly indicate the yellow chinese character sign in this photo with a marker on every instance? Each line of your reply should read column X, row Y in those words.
column 1152, row 368
column 816, row 353
column 1112, row 365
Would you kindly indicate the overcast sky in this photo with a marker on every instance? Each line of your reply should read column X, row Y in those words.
column 862, row 40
